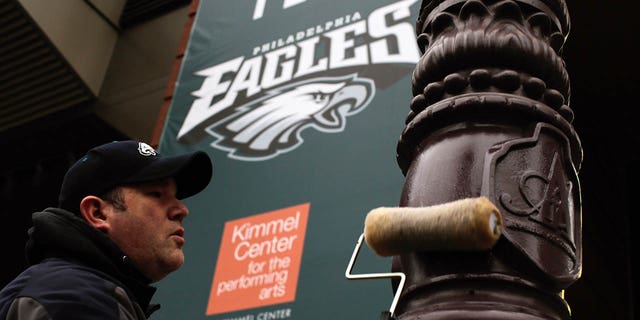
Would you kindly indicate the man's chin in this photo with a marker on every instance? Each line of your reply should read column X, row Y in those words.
column 175, row 261
column 178, row 259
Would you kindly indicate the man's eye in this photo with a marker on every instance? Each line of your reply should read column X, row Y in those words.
column 155, row 194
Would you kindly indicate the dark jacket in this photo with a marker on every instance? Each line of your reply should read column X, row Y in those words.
column 76, row 272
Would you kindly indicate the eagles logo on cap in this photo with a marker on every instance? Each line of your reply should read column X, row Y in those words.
column 146, row 150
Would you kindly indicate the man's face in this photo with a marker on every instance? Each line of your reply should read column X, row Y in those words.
column 149, row 230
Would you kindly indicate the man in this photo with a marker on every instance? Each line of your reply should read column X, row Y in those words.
column 118, row 229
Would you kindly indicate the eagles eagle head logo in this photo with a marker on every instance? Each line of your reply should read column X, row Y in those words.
column 271, row 125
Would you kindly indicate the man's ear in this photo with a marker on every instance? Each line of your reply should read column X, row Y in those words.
column 93, row 210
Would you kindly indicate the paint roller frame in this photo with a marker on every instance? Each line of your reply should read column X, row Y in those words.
column 383, row 275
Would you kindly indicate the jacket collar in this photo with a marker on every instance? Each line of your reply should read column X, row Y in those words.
column 60, row 233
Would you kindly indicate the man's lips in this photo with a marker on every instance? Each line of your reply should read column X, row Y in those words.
column 179, row 234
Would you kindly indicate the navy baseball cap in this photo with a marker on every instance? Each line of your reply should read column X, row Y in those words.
column 125, row 162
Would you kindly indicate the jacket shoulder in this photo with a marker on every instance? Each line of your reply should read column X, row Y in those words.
column 65, row 290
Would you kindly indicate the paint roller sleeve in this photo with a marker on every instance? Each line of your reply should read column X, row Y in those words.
column 466, row 224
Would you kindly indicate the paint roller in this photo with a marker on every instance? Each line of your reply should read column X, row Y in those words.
column 466, row 224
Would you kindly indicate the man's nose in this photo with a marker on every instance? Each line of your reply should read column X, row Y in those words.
column 179, row 212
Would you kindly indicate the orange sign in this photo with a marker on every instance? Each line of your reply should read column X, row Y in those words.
column 259, row 260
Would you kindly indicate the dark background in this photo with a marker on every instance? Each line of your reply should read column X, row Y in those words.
column 602, row 61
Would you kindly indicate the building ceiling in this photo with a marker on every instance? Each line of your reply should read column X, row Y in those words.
column 35, row 80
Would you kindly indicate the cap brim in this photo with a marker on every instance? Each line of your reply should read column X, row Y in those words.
column 192, row 172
